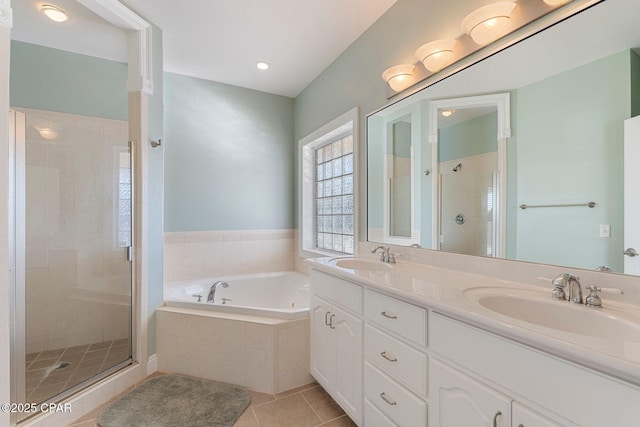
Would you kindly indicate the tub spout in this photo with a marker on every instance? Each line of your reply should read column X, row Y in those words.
column 212, row 292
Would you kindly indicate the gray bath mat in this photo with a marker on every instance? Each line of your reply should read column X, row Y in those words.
column 173, row 400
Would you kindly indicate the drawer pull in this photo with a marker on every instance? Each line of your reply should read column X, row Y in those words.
column 390, row 359
column 331, row 321
column 389, row 316
column 495, row 418
column 326, row 320
column 520, row 425
column 384, row 397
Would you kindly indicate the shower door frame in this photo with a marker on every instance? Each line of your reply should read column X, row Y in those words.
column 17, row 271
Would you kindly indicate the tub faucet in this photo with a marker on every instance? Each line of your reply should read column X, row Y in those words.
column 386, row 255
column 212, row 292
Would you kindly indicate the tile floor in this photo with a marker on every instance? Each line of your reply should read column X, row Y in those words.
column 52, row 371
column 307, row 406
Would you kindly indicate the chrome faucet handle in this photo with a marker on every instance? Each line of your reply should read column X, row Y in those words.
column 594, row 300
column 559, row 283
column 197, row 296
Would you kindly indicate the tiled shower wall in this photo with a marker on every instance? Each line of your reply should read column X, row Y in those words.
column 202, row 254
column 77, row 285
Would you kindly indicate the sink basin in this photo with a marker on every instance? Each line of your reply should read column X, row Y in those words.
column 539, row 309
column 361, row 264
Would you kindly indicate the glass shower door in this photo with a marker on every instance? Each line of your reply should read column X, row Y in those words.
column 77, row 227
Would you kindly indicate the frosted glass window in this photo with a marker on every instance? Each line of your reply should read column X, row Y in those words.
column 334, row 196
column 348, row 164
column 337, row 186
column 348, row 185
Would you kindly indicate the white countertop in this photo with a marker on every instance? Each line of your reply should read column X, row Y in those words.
column 448, row 292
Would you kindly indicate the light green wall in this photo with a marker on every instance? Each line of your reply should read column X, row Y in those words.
column 401, row 139
column 229, row 159
column 635, row 84
column 469, row 138
column 55, row 80
column 570, row 151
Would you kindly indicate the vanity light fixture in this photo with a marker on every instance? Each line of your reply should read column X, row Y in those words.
column 54, row 13
column 556, row 2
column 399, row 77
column 261, row 65
column 436, row 55
column 489, row 22
column 47, row 133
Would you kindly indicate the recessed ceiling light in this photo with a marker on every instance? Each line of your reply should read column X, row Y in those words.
column 447, row 113
column 262, row 65
column 54, row 13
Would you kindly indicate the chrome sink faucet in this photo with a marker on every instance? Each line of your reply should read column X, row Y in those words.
column 572, row 282
column 212, row 292
column 386, row 255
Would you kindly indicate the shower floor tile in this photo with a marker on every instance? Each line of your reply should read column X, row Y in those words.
column 52, row 371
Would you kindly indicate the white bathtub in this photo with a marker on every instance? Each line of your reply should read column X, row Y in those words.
column 284, row 295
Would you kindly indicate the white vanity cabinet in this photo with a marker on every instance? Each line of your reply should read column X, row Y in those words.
column 395, row 372
column 462, row 401
column 336, row 340
column 571, row 395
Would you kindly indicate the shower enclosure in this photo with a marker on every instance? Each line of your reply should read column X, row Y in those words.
column 72, row 262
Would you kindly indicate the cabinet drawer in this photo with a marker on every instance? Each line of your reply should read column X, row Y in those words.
column 345, row 293
column 407, row 365
column 395, row 401
column 373, row 417
column 406, row 320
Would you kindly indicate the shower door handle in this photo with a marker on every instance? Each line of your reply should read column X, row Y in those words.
column 128, row 253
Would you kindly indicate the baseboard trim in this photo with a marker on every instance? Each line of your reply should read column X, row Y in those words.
column 152, row 364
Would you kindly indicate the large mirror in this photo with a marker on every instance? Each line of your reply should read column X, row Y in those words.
column 521, row 155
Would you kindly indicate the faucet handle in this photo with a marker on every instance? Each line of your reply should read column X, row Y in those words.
column 559, row 283
column 594, row 300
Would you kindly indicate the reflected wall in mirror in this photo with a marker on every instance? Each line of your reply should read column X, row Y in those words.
column 399, row 178
column 571, row 89
column 398, row 145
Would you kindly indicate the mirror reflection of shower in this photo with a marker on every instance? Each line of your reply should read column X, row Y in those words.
column 467, row 202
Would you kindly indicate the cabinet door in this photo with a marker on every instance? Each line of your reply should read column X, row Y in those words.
column 348, row 382
column 525, row 417
column 323, row 350
column 462, row 401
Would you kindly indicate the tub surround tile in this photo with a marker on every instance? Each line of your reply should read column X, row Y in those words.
column 238, row 349
column 195, row 254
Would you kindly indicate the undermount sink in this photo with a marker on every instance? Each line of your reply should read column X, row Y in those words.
column 361, row 264
column 539, row 309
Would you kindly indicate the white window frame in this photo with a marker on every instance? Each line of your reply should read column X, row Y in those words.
column 307, row 182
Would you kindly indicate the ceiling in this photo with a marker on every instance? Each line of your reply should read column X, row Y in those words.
column 219, row 40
